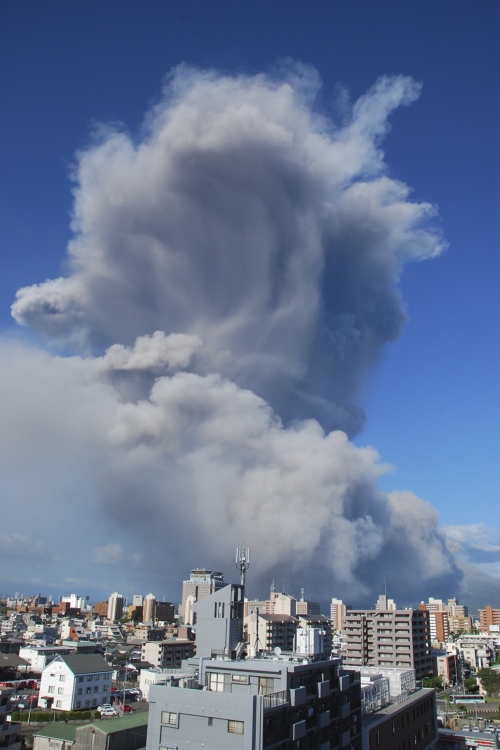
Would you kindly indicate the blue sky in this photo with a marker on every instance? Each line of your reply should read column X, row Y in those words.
column 432, row 400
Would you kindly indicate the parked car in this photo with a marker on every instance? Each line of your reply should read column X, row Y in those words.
column 109, row 712
column 128, row 709
column 105, row 707
column 466, row 728
column 476, row 730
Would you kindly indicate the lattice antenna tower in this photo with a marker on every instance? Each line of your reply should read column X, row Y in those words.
column 242, row 561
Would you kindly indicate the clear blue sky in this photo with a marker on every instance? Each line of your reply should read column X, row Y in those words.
column 433, row 401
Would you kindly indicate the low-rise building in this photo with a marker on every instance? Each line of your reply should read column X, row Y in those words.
column 126, row 733
column 40, row 656
column 407, row 723
column 75, row 682
column 10, row 731
column 169, row 653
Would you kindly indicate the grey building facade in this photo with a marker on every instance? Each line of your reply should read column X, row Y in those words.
column 276, row 701
column 389, row 638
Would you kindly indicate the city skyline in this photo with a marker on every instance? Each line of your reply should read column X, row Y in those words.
column 180, row 374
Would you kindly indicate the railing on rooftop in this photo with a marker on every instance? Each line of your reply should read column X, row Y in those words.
column 276, row 699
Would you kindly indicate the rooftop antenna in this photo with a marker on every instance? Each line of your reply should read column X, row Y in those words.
column 301, row 595
column 242, row 561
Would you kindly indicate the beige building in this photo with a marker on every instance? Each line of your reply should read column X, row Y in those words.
column 388, row 638
column 202, row 583
column 488, row 616
column 167, row 654
column 264, row 632
column 337, row 613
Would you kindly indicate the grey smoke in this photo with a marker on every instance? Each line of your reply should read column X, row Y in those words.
column 233, row 275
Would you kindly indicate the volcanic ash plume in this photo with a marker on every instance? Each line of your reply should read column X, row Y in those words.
column 236, row 269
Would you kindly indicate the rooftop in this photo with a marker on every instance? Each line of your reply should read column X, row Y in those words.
column 58, row 730
column 129, row 721
column 86, row 663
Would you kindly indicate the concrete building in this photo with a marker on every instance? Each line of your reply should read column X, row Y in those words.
column 448, row 666
column 115, row 607
column 279, row 701
column 304, row 607
column 75, row 682
column 266, row 632
column 407, row 723
column 169, row 653
column 388, row 638
column 10, row 731
column 101, row 608
column 156, row 611
column 201, row 583
column 137, row 600
column 439, row 626
column 337, row 613
column 459, row 624
column 488, row 616
column 40, row 656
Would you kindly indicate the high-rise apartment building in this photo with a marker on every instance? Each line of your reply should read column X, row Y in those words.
column 304, row 607
column 115, row 607
column 389, row 638
column 337, row 613
column 439, row 626
column 148, row 608
column 137, row 600
column 202, row 583
column 488, row 616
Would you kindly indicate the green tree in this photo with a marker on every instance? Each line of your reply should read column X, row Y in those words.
column 490, row 680
column 434, row 682
column 471, row 685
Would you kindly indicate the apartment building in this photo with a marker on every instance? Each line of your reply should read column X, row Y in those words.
column 488, row 616
column 264, row 632
column 439, row 626
column 279, row 702
column 201, row 583
column 410, row 722
column 74, row 682
column 170, row 653
column 10, row 731
column 337, row 613
column 388, row 638
column 115, row 607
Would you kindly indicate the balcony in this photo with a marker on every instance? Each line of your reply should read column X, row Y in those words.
column 298, row 730
column 277, row 699
column 345, row 738
column 323, row 719
column 298, row 696
column 323, row 689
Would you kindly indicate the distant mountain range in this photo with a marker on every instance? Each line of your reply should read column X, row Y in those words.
column 478, row 589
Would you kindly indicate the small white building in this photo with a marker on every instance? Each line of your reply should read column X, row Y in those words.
column 75, row 682
column 40, row 656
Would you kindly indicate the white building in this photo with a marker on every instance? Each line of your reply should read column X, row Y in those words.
column 40, row 656
column 76, row 681
column 115, row 607
column 75, row 601
column 137, row 600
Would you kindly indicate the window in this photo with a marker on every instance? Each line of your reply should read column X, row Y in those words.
column 96, row 688
column 96, row 677
column 87, row 704
column 51, row 688
column 168, row 748
column 240, row 678
column 60, row 691
column 89, row 678
column 79, row 691
column 167, row 717
column 62, row 677
column 378, row 737
column 235, row 727
column 80, row 679
column 94, row 702
column 58, row 704
column 210, row 721
column 216, row 682
column 105, row 688
column 89, row 690
column 78, row 704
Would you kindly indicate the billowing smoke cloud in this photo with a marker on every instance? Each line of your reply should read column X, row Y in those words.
column 238, row 263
